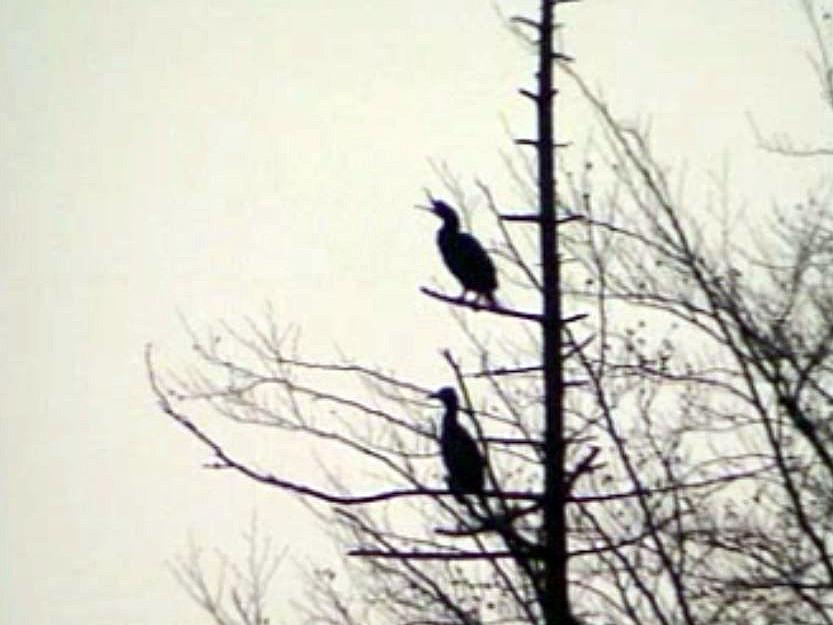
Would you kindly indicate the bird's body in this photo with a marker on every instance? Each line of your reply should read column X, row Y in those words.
column 464, row 256
column 460, row 453
column 462, row 459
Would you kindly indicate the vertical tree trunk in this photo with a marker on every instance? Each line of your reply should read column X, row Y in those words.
column 556, row 601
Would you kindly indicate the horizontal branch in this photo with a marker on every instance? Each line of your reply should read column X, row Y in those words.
column 558, row 145
column 641, row 492
column 429, row 555
column 496, row 309
column 574, row 318
column 501, row 371
column 485, row 373
column 531, row 218
column 535, row 97
column 225, row 461
column 509, row 442
column 536, row 218
column 623, row 542
column 526, row 22
column 492, row 523
column 532, row 96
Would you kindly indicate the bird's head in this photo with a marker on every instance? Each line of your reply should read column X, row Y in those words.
column 445, row 212
column 447, row 395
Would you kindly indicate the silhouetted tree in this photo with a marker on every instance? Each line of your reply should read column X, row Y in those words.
column 732, row 360
column 235, row 592
column 661, row 456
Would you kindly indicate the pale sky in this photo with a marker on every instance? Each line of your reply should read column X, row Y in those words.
column 203, row 158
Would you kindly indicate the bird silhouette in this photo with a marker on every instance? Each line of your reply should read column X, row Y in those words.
column 460, row 454
column 464, row 256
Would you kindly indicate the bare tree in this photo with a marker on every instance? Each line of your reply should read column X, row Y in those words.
column 528, row 560
column 820, row 20
column 656, row 434
column 753, row 312
column 236, row 592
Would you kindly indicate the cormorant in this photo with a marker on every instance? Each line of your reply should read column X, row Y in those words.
column 464, row 255
column 462, row 458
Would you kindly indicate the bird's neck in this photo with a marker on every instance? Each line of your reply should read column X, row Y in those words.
column 447, row 233
column 450, row 417
column 450, row 226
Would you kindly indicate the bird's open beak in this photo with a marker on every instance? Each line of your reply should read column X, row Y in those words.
column 422, row 207
column 433, row 395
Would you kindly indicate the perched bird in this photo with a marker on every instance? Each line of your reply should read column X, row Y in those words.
column 462, row 458
column 464, row 255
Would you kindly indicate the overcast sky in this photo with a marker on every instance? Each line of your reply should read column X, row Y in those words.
column 202, row 158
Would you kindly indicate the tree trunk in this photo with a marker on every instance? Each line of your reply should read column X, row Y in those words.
column 556, row 606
